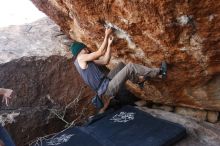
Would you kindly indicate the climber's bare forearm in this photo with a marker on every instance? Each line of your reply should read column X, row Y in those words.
column 89, row 57
column 103, row 47
column 104, row 60
column 107, row 55
column 104, row 44
column 97, row 55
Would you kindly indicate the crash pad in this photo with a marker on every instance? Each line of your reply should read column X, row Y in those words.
column 127, row 126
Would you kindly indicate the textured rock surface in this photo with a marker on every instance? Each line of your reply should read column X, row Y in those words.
column 40, row 38
column 184, row 33
column 163, row 107
column 42, row 84
column 140, row 103
column 212, row 116
column 199, row 133
column 198, row 114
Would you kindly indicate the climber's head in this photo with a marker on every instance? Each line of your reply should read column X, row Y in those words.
column 77, row 47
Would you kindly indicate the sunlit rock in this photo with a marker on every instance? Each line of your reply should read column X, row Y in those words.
column 184, row 33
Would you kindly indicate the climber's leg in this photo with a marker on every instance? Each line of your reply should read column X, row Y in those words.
column 162, row 74
column 132, row 72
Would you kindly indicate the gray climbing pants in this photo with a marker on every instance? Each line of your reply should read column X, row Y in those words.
column 130, row 72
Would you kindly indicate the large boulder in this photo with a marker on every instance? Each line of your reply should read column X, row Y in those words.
column 49, row 92
column 39, row 38
column 49, row 95
column 184, row 33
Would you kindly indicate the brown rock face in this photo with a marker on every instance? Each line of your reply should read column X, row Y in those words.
column 43, row 85
column 184, row 33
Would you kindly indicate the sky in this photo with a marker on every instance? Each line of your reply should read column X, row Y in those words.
column 16, row 12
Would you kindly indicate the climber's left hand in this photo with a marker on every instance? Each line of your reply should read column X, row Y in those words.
column 108, row 31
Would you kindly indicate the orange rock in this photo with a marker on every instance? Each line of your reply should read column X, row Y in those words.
column 184, row 33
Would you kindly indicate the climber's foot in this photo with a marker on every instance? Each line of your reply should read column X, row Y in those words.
column 163, row 70
column 106, row 102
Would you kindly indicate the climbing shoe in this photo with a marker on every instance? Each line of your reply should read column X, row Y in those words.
column 163, row 70
column 97, row 102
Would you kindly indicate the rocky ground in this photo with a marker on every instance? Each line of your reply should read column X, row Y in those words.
column 199, row 133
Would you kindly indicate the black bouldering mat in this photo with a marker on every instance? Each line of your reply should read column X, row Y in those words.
column 69, row 137
column 127, row 126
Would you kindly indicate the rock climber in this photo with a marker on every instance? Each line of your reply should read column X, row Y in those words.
column 87, row 63
column 5, row 139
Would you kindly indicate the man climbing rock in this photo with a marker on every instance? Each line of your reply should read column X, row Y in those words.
column 87, row 65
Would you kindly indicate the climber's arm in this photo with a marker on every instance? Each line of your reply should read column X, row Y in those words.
column 91, row 56
column 104, row 60
column 100, row 52
column 108, row 31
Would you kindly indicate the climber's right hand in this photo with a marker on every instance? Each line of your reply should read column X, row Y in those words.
column 108, row 31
